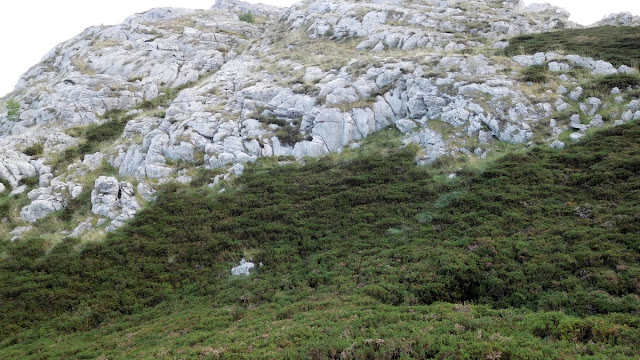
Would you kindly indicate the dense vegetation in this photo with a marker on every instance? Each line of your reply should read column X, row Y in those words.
column 617, row 45
column 364, row 254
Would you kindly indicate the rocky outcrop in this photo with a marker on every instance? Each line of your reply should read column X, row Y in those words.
column 408, row 25
column 619, row 19
column 244, row 268
column 310, row 80
column 114, row 200
column 48, row 199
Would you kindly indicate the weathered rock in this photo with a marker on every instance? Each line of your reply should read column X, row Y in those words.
column 17, row 233
column 406, row 126
column 244, row 268
column 576, row 93
column 432, row 142
column 44, row 203
column 576, row 136
column 82, row 228
column 114, row 200
column 619, row 19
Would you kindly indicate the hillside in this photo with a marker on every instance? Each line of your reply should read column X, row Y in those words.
column 409, row 179
column 364, row 254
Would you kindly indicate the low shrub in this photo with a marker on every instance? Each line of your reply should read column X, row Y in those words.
column 535, row 73
column 247, row 17
column 34, row 150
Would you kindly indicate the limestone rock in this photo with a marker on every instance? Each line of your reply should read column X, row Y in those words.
column 44, row 203
column 238, row 104
column 576, row 93
column 244, row 268
column 17, row 233
column 405, row 126
column 82, row 228
column 432, row 142
column 619, row 19
column 114, row 200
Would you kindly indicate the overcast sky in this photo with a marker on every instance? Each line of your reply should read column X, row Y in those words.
column 30, row 28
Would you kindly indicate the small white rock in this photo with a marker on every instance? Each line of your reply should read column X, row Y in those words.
column 244, row 268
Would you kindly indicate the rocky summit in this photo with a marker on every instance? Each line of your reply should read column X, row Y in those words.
column 205, row 89
column 393, row 179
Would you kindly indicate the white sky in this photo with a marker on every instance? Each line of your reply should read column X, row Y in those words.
column 30, row 28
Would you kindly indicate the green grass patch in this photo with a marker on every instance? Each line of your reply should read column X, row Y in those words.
column 617, row 45
column 601, row 86
column 34, row 150
column 353, row 327
column 535, row 73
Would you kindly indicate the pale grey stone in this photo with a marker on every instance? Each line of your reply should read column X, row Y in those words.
column 17, row 233
column 576, row 93
column 576, row 136
column 405, row 125
column 558, row 67
column 157, row 171
column 114, row 200
column 244, row 268
column 624, row 69
column 432, row 143
column 146, row 191
column 45, row 204
column 500, row 45
column 597, row 122
column 82, row 228
column 329, row 126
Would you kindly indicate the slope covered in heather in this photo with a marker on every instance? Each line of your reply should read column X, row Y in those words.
column 411, row 179
column 547, row 237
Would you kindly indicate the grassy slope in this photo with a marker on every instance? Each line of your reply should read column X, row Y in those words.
column 618, row 45
column 351, row 245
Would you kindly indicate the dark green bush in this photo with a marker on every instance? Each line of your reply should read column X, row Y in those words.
column 13, row 110
column 289, row 135
column 536, row 73
column 34, row 150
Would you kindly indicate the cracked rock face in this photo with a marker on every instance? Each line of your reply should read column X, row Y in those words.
column 114, row 200
column 310, row 80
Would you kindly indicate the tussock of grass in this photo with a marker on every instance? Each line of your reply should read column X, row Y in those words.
column 535, row 73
